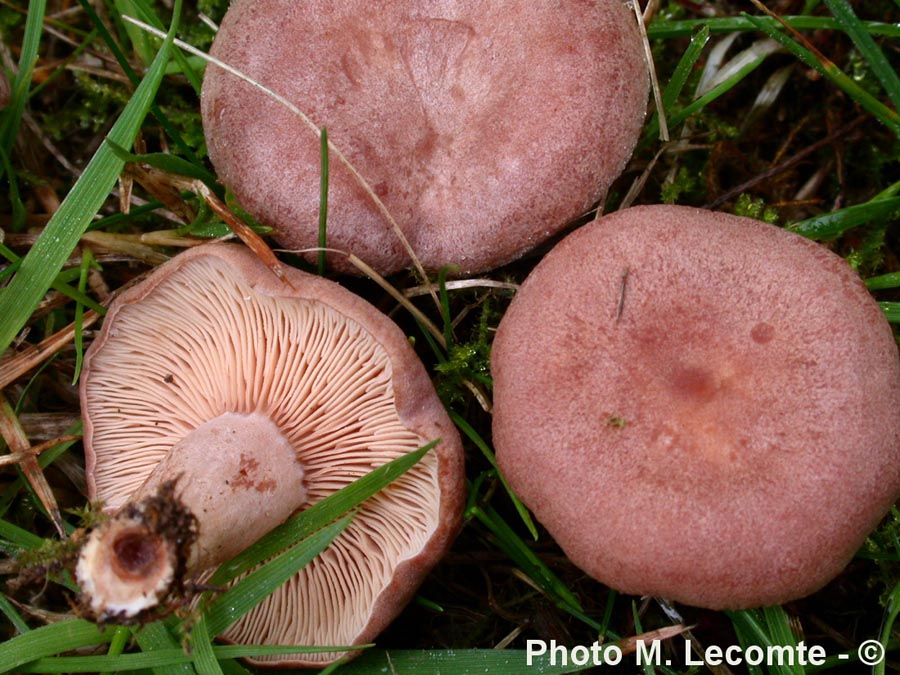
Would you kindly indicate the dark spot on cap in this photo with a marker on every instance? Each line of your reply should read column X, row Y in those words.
column 695, row 383
column 762, row 332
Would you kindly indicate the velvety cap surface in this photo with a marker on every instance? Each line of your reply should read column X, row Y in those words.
column 484, row 127
column 214, row 338
column 699, row 406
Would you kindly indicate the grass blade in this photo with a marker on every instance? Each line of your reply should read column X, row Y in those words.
column 879, row 283
column 880, row 111
column 718, row 90
column 19, row 88
column 749, row 631
column 473, row 436
column 662, row 29
column 831, row 225
column 781, row 635
column 156, row 637
column 140, row 41
column 145, row 13
column 45, row 259
column 205, row 660
column 166, row 162
column 770, row 629
column 252, row 589
column 510, row 543
column 51, row 639
column 122, row 60
column 58, row 284
column 890, row 617
column 685, row 66
column 457, row 662
column 891, row 311
column 876, row 59
column 121, row 637
column 159, row 660
column 18, row 537
column 12, row 615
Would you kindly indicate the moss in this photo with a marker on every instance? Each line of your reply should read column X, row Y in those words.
column 883, row 545
column 751, row 207
column 685, row 183
column 468, row 360
column 10, row 21
column 214, row 9
column 868, row 253
column 616, row 421
column 197, row 32
column 186, row 119
column 92, row 105
column 50, row 558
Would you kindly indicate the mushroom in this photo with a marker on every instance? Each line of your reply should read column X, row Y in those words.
column 699, row 406
column 483, row 127
column 259, row 398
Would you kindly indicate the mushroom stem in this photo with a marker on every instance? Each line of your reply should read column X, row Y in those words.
column 236, row 474
column 239, row 476
column 129, row 564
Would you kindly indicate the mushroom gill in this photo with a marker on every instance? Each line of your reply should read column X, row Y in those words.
column 213, row 348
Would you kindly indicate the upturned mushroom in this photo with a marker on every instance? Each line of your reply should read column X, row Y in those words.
column 483, row 127
column 699, row 406
column 260, row 398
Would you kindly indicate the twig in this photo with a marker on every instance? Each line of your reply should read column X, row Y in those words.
column 459, row 284
column 11, row 368
column 18, row 443
column 621, row 304
column 398, row 296
column 651, row 69
column 404, row 301
column 786, row 164
column 35, row 450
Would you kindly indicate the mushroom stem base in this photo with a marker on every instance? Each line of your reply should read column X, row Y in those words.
column 133, row 561
column 237, row 478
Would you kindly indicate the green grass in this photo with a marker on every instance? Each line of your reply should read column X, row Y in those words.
column 505, row 581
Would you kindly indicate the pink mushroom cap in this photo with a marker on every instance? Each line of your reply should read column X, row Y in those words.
column 483, row 127
column 699, row 406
